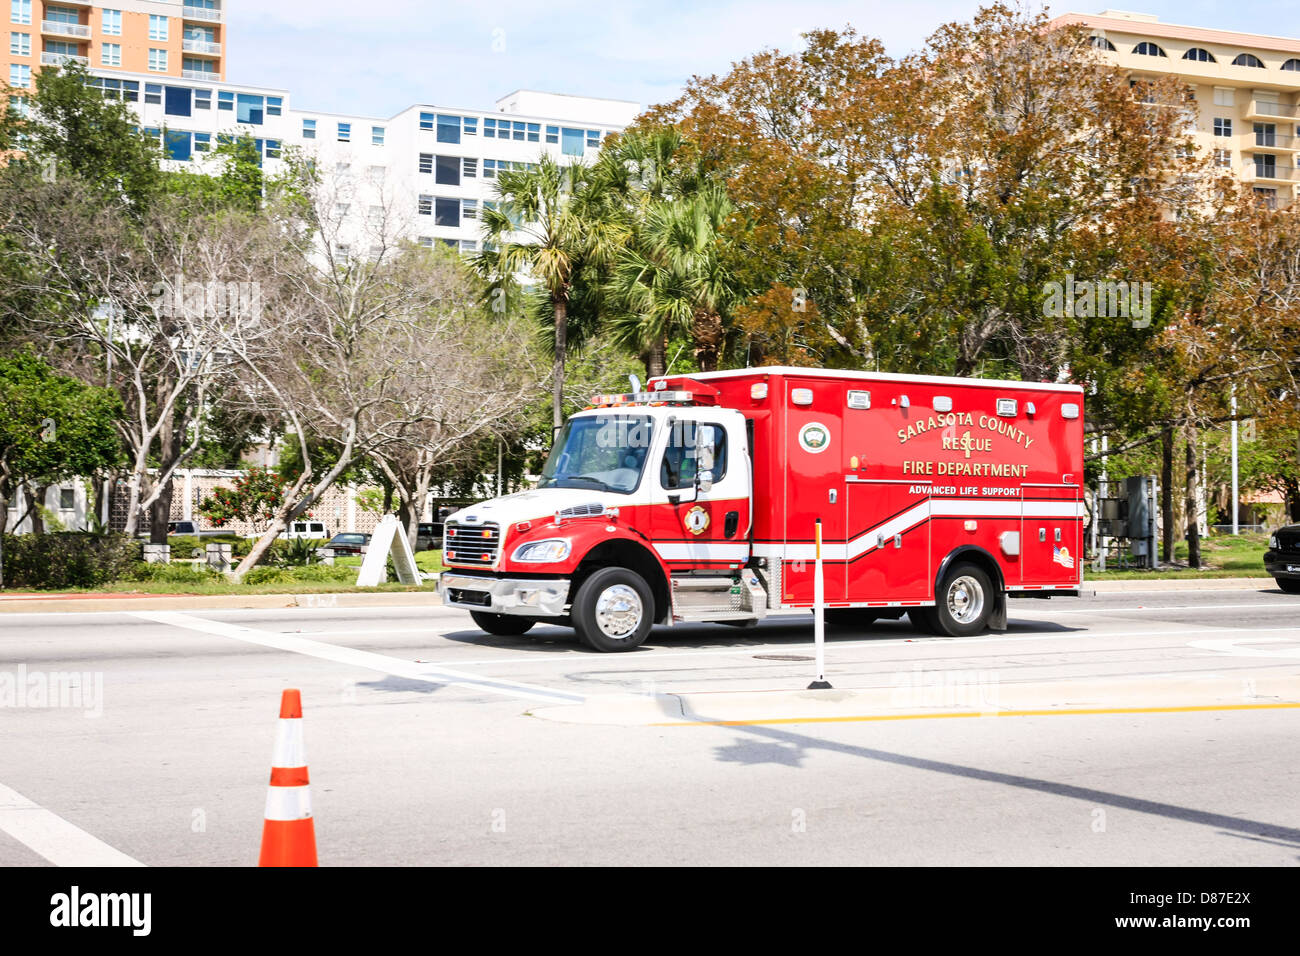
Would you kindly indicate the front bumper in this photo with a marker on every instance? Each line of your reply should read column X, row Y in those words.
column 1280, row 564
column 525, row 597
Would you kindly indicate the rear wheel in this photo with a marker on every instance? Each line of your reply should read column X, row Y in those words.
column 1289, row 585
column 963, row 603
column 503, row 625
column 613, row 610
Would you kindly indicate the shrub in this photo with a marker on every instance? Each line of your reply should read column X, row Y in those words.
column 179, row 573
column 312, row 573
column 69, row 559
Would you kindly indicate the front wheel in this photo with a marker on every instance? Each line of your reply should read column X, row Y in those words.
column 1289, row 585
column 502, row 625
column 962, row 604
column 613, row 610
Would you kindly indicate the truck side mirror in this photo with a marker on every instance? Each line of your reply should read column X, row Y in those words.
column 704, row 481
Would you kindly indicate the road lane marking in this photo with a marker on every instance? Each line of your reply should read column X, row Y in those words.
column 366, row 659
column 1082, row 711
column 53, row 837
column 1231, row 646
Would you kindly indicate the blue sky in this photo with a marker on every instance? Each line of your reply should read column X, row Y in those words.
column 377, row 58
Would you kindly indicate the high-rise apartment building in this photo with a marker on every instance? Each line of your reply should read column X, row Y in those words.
column 1246, row 88
column 176, row 38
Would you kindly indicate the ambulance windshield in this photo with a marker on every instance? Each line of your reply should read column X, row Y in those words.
column 603, row 452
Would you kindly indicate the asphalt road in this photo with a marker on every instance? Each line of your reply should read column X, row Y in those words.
column 1137, row 728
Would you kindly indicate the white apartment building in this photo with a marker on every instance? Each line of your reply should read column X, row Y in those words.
column 423, row 174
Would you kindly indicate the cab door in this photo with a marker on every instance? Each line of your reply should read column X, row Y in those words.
column 697, row 522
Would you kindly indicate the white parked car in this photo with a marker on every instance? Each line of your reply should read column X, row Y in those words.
column 307, row 529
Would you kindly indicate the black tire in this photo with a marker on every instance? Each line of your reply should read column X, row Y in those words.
column 963, row 602
column 1289, row 585
column 613, row 610
column 858, row 618
column 502, row 625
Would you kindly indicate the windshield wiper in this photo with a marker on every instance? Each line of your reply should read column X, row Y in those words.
column 596, row 481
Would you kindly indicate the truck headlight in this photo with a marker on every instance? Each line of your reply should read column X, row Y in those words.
column 1272, row 541
column 548, row 551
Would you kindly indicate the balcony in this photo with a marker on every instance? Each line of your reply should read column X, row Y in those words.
column 1260, row 109
column 200, row 75
column 1256, row 172
column 200, row 13
column 58, row 59
column 54, row 28
column 201, row 47
column 1276, row 142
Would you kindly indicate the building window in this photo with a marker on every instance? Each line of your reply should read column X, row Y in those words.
column 203, row 99
column 573, row 142
column 593, row 139
column 468, row 245
column 342, row 169
column 1248, row 59
column 178, row 99
column 20, row 44
column 470, row 125
column 1266, row 134
column 67, row 499
column 375, row 174
column 448, row 129
column 341, row 210
column 469, row 208
column 489, row 169
column 376, row 136
column 345, row 133
column 1149, row 49
column 309, row 129
column 158, row 60
column 1101, row 43
column 272, row 149
column 534, row 132
column 202, row 142
column 426, row 121
column 157, row 27
column 153, row 93
column 225, row 100
column 446, row 212
column 489, row 129
column 20, row 11
column 469, row 168
column 426, row 241
column 274, row 105
column 426, row 162
column 1223, row 96
column 112, row 23
column 425, row 206
column 552, row 134
column 251, row 109
column 20, row 74
column 447, row 171
column 177, row 145
column 1199, row 55
column 1292, row 64
column 1223, row 157
column 1222, row 126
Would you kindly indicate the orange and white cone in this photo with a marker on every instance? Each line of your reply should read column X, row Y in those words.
column 289, row 836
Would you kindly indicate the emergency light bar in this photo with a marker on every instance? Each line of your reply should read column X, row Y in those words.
column 659, row 397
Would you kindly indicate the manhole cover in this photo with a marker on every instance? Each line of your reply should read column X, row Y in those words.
column 781, row 657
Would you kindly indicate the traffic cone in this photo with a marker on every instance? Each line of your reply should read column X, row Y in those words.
column 288, row 835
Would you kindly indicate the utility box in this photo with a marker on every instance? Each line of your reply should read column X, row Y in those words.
column 1140, row 498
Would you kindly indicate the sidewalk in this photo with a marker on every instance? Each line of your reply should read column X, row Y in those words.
column 82, row 603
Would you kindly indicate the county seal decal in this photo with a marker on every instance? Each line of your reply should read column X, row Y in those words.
column 814, row 437
column 696, row 520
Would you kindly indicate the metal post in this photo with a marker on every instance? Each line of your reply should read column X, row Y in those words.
column 1103, row 485
column 819, row 614
column 1236, row 528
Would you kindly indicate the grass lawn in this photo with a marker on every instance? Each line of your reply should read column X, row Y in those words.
column 1222, row 556
column 338, row 579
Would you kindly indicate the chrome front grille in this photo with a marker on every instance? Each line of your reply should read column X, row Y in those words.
column 471, row 545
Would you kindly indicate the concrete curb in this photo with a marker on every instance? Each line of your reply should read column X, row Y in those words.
column 1180, row 584
column 80, row 604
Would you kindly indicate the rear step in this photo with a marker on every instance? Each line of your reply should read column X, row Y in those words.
column 718, row 597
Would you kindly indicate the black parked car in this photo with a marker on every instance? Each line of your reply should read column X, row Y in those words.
column 1282, row 559
column 347, row 543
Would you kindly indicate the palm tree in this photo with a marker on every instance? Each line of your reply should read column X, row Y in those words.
column 552, row 225
column 671, row 279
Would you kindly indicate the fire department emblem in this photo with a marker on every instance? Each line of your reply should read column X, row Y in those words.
column 814, row 437
column 696, row 520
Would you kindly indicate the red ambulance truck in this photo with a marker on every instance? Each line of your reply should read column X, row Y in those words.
column 697, row 500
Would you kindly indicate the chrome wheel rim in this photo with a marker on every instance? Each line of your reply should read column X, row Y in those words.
column 965, row 599
column 618, row 611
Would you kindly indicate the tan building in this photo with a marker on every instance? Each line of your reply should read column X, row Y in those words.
column 1247, row 89
column 177, row 38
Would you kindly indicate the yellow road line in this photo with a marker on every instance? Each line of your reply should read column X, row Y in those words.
column 976, row 713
